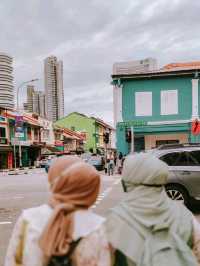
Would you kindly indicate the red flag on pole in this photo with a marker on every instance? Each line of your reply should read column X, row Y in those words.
column 195, row 127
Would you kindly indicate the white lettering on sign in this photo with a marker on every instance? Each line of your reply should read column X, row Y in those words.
column 143, row 103
column 169, row 102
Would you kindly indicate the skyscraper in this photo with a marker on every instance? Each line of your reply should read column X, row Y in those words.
column 53, row 75
column 6, row 82
column 35, row 101
column 42, row 104
column 30, row 91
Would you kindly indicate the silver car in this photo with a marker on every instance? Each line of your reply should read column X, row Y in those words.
column 184, row 166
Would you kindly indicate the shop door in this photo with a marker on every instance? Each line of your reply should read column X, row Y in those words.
column 3, row 160
column 139, row 144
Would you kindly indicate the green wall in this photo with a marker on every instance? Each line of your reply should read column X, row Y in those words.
column 79, row 122
column 183, row 85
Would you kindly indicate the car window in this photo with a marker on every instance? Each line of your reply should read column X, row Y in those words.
column 194, row 158
column 182, row 160
column 170, row 158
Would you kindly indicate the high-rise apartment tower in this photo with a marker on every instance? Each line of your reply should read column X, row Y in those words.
column 6, row 82
column 53, row 75
column 30, row 91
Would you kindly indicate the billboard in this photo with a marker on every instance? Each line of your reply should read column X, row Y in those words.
column 19, row 126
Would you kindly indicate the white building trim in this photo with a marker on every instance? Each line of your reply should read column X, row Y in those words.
column 172, row 122
column 195, row 100
column 117, row 102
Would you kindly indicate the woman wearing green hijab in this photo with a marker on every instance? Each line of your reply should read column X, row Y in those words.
column 147, row 228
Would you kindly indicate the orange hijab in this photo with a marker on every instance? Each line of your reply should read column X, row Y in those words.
column 74, row 185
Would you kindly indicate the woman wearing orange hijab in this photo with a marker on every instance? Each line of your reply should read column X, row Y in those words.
column 48, row 231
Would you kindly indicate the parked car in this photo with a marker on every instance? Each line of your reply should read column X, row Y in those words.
column 97, row 161
column 42, row 163
column 184, row 166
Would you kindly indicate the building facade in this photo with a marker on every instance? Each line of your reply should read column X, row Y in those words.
column 156, row 108
column 6, row 82
column 53, row 75
column 91, row 128
column 136, row 66
column 6, row 154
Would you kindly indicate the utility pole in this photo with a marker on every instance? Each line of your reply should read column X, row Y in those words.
column 132, row 140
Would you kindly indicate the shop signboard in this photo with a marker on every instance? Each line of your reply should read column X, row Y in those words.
column 129, row 124
column 2, row 119
column 19, row 126
column 16, row 141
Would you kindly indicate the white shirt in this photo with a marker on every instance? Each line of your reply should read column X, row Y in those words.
column 85, row 222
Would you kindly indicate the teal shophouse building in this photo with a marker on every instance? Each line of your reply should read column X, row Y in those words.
column 157, row 107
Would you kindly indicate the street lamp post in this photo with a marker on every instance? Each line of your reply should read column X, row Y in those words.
column 20, row 148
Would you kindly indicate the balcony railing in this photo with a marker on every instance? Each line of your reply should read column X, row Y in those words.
column 3, row 141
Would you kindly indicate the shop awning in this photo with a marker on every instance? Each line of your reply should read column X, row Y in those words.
column 49, row 150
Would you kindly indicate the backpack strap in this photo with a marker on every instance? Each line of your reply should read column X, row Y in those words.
column 120, row 259
column 64, row 260
column 73, row 245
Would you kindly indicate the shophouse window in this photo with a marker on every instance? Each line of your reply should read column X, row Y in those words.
column 29, row 133
column 169, row 102
column 143, row 103
column 46, row 134
column 36, row 134
column 2, row 132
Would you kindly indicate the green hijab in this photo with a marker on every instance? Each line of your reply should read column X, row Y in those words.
column 145, row 208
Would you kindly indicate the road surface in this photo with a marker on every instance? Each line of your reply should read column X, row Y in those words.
column 23, row 191
column 28, row 190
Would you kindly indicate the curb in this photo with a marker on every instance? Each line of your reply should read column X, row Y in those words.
column 17, row 171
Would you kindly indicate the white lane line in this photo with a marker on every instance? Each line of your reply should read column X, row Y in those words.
column 8, row 198
column 102, row 196
column 18, row 197
column 3, row 223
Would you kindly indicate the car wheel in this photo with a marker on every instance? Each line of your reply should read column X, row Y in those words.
column 176, row 192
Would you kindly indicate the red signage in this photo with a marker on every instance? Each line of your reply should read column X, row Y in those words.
column 58, row 143
column 196, row 127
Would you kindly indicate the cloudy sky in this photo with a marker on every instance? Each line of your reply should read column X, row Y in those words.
column 90, row 35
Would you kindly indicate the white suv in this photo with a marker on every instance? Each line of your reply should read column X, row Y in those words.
column 184, row 166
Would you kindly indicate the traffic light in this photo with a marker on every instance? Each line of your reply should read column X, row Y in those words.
column 106, row 137
column 128, row 135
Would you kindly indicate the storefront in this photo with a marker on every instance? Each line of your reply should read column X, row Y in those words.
column 6, row 157
column 144, row 136
column 152, row 109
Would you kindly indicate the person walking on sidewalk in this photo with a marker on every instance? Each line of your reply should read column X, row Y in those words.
column 120, row 163
column 111, row 166
column 64, row 231
column 147, row 228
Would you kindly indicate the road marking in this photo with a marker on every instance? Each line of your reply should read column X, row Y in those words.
column 18, row 197
column 3, row 223
column 15, row 197
column 104, row 194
